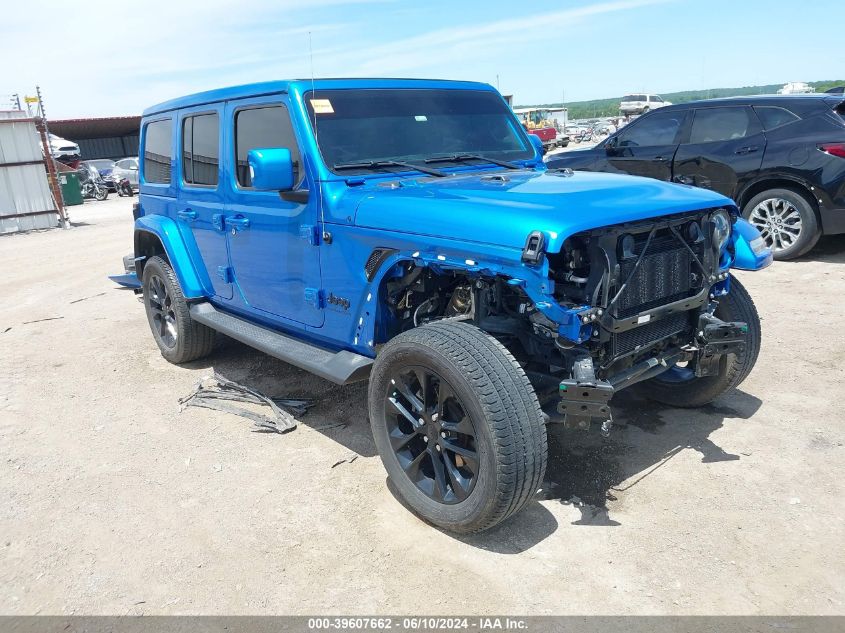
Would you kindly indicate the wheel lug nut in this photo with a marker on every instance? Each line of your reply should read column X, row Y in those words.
column 438, row 447
column 443, row 434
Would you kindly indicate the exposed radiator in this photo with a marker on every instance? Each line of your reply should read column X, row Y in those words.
column 629, row 341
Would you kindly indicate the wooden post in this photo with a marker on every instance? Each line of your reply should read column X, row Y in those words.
column 52, row 177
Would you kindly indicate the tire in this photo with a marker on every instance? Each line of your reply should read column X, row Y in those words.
column 178, row 336
column 101, row 193
column 485, row 408
column 791, row 210
column 678, row 388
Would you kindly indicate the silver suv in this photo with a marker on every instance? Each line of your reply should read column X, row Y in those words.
column 127, row 168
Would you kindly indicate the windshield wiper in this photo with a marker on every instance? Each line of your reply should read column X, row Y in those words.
column 457, row 158
column 377, row 164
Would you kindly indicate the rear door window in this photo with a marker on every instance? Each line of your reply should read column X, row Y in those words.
column 659, row 128
column 772, row 117
column 201, row 149
column 158, row 151
column 722, row 124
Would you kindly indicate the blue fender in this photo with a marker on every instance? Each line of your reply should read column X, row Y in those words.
column 749, row 247
column 167, row 231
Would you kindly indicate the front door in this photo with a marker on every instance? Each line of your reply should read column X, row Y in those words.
column 273, row 245
column 724, row 150
column 647, row 146
column 200, row 209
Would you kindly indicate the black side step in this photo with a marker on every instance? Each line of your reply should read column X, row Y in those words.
column 339, row 367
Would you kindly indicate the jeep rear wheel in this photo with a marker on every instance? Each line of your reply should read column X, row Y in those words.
column 179, row 337
column 457, row 425
column 679, row 387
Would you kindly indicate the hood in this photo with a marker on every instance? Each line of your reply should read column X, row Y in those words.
column 503, row 207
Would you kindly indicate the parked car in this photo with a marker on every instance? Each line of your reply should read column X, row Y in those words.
column 104, row 167
column 641, row 103
column 422, row 242
column 62, row 148
column 127, row 168
column 781, row 158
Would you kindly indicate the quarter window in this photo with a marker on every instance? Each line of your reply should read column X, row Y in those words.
column 772, row 117
column 722, row 124
column 200, row 149
column 158, row 153
column 263, row 128
column 659, row 128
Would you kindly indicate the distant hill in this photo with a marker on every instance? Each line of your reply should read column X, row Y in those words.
column 610, row 107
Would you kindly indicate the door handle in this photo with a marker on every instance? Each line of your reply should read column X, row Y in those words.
column 684, row 180
column 747, row 150
column 659, row 159
column 237, row 223
column 187, row 215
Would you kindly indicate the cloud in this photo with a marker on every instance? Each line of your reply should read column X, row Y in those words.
column 479, row 40
column 107, row 59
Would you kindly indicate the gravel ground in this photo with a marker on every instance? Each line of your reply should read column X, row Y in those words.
column 114, row 502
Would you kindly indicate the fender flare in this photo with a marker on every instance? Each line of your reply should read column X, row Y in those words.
column 742, row 196
column 194, row 285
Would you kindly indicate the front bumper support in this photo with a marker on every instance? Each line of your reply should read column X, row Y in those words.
column 584, row 397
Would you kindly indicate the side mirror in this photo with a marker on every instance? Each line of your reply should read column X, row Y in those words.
column 537, row 142
column 271, row 169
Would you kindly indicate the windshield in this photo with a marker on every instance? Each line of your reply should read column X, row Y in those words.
column 373, row 125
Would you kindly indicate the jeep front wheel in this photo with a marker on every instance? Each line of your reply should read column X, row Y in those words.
column 457, row 425
column 179, row 337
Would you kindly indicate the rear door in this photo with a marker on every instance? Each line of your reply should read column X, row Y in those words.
column 724, row 150
column 273, row 242
column 200, row 205
column 647, row 146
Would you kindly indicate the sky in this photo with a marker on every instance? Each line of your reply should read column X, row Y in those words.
column 106, row 58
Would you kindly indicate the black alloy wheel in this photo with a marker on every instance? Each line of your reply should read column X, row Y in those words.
column 162, row 311
column 432, row 435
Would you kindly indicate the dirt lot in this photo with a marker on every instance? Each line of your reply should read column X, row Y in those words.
column 114, row 502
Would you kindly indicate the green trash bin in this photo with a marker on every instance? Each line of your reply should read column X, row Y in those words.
column 71, row 189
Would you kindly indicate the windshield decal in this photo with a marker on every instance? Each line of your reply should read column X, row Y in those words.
column 322, row 106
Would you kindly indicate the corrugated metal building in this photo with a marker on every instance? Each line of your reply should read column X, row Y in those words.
column 109, row 137
column 25, row 199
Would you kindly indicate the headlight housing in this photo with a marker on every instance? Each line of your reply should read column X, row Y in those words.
column 721, row 222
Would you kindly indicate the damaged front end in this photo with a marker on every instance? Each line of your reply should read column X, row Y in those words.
column 640, row 299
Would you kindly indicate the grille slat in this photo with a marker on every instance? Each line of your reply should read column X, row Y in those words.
column 649, row 334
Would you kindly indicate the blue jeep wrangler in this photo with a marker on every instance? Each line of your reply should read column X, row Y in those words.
column 408, row 231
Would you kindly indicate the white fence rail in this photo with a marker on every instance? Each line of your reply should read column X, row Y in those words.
column 26, row 202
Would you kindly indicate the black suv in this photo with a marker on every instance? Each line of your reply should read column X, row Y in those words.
column 781, row 158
